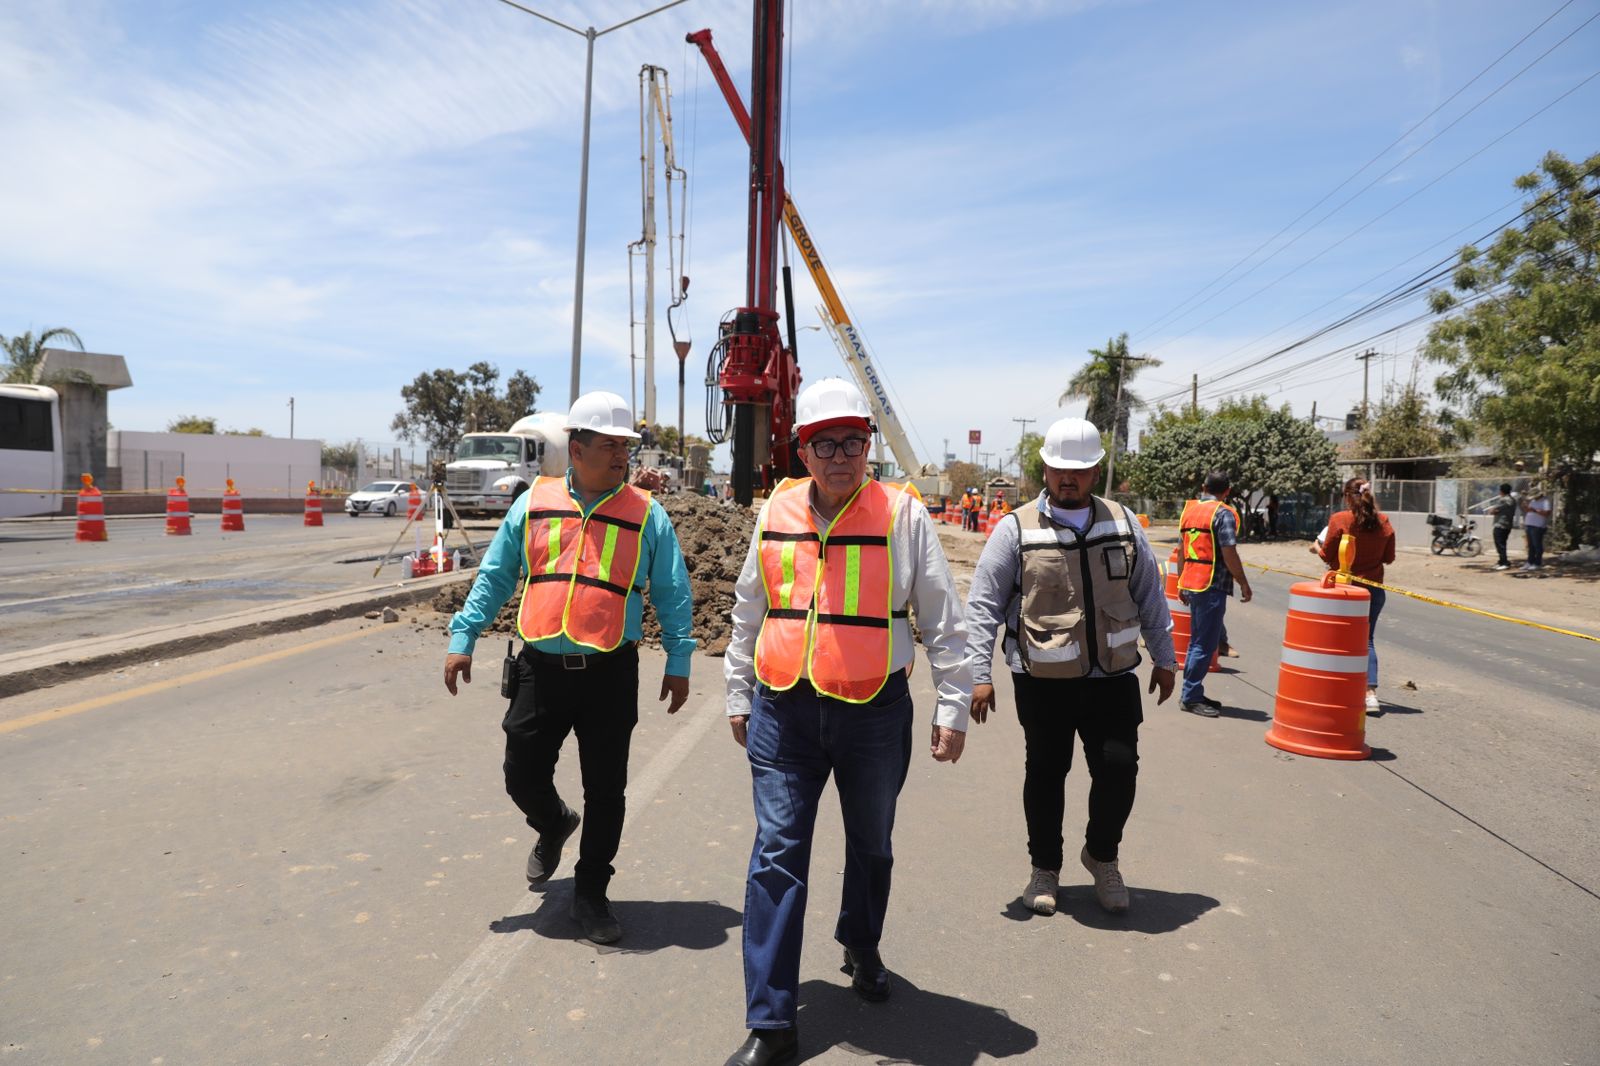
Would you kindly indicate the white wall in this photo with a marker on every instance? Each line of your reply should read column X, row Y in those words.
column 259, row 466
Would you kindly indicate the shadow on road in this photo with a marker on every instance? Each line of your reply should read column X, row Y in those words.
column 914, row 1026
column 1244, row 715
column 1393, row 708
column 647, row 925
column 1152, row 911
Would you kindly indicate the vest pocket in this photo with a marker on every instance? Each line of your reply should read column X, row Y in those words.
column 1119, row 636
column 1051, row 644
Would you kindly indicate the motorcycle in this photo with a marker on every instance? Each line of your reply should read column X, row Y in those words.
column 1454, row 534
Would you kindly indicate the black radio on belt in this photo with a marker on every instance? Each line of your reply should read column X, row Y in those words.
column 508, row 674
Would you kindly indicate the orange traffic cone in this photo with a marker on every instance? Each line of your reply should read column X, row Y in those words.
column 91, row 511
column 232, row 510
column 313, row 505
column 178, row 511
column 1322, row 682
column 414, row 505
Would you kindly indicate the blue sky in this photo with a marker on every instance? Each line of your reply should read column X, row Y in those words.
column 253, row 201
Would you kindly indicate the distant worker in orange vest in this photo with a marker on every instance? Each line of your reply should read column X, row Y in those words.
column 966, row 509
column 589, row 545
column 817, row 686
column 1208, row 553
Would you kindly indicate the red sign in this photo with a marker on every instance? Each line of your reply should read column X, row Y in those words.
column 974, row 436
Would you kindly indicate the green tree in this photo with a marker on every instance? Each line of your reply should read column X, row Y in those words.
column 964, row 476
column 251, row 432
column 339, row 456
column 24, row 353
column 1264, row 451
column 1030, row 463
column 442, row 404
column 1402, row 427
column 666, row 438
column 192, row 424
column 1096, row 381
column 1521, row 340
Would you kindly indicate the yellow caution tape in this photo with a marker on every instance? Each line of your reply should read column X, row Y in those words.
column 1436, row 602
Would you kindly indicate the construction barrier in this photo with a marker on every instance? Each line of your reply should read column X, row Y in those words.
column 1322, row 681
column 313, row 505
column 91, row 512
column 232, row 510
column 178, row 511
column 414, row 511
column 1180, row 618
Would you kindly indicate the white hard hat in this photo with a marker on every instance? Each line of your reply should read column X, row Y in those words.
column 827, row 402
column 602, row 412
column 1072, row 444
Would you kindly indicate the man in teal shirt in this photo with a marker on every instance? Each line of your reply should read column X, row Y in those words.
column 563, row 686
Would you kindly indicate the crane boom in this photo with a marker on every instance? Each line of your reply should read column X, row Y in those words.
column 846, row 337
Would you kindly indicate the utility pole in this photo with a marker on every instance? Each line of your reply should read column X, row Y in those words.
column 1365, row 358
column 985, row 457
column 291, row 418
column 1194, row 394
column 1025, row 423
column 589, row 35
column 1116, row 419
column 1313, row 414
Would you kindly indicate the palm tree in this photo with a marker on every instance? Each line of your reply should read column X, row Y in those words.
column 25, row 353
column 1098, row 382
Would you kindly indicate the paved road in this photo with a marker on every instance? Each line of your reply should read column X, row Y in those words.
column 297, row 850
column 54, row 590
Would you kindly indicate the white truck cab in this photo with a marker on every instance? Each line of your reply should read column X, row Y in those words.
column 491, row 470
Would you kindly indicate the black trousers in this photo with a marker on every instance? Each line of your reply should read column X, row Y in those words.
column 1105, row 713
column 599, row 703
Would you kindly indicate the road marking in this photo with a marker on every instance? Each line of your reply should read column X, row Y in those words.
column 427, row 1035
column 187, row 679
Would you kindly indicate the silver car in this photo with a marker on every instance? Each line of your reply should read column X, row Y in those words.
column 386, row 498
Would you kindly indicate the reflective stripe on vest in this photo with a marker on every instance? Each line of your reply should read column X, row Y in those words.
column 1197, row 544
column 580, row 570
column 830, row 610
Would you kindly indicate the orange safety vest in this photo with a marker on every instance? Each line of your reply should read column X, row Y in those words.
column 1197, row 544
column 830, row 607
column 580, row 570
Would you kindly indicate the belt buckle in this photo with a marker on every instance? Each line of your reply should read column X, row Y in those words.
column 573, row 661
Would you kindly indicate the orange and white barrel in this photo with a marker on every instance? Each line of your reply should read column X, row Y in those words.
column 313, row 505
column 232, row 510
column 91, row 512
column 414, row 512
column 1320, row 708
column 178, row 511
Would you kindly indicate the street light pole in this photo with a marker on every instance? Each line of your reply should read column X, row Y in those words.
column 589, row 35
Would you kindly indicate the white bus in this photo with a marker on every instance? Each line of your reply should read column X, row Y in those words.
column 30, row 451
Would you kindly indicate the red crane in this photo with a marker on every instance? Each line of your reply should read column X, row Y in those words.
column 751, row 367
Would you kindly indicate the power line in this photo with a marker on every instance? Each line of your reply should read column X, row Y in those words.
column 1386, row 149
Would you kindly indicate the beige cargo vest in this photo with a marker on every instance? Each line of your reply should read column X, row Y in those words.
column 1077, row 612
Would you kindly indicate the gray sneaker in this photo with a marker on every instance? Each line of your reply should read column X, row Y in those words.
column 546, row 853
column 1108, row 886
column 1040, row 895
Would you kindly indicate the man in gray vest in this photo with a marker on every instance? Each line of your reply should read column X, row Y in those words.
column 1074, row 583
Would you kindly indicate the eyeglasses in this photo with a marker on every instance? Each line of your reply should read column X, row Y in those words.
column 852, row 446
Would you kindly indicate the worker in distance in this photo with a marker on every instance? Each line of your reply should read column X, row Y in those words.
column 585, row 548
column 817, row 686
column 1072, row 582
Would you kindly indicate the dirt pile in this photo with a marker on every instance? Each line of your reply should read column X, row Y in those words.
column 714, row 538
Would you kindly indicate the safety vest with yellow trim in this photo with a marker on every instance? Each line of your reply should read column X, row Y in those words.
column 580, row 570
column 1077, row 611
column 1197, row 543
column 830, row 596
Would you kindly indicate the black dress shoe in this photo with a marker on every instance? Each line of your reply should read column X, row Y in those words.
column 867, row 974
column 594, row 917
column 546, row 853
column 767, row 1047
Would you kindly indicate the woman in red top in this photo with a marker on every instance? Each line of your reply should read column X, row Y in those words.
column 1374, row 547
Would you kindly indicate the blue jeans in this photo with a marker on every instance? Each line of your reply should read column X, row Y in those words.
column 1373, row 609
column 795, row 740
column 1535, row 545
column 1205, row 630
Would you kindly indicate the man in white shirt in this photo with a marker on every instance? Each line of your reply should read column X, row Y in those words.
column 1535, row 522
column 817, row 687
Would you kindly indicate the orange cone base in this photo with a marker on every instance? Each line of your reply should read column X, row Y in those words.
column 1304, row 722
